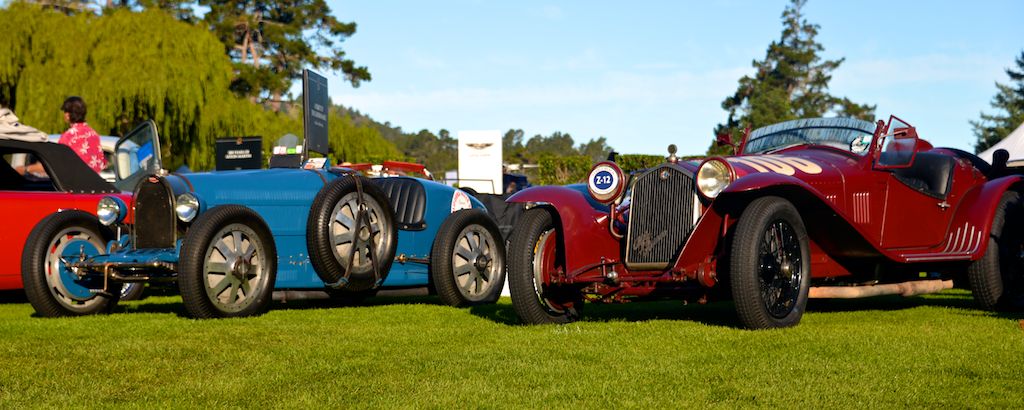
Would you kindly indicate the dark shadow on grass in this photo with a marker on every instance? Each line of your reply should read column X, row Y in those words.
column 712, row 314
column 12, row 297
column 176, row 307
column 724, row 314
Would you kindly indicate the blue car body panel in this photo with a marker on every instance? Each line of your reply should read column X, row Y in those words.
column 283, row 198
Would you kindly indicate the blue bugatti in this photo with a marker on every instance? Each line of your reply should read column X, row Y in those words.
column 229, row 238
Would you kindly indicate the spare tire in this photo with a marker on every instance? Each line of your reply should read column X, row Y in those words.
column 351, row 234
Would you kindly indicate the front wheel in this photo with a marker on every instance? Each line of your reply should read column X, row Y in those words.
column 769, row 265
column 533, row 257
column 51, row 287
column 228, row 264
column 467, row 261
column 996, row 278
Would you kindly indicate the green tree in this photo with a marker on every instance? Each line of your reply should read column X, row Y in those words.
column 1009, row 105
column 271, row 41
column 791, row 82
column 133, row 66
column 597, row 149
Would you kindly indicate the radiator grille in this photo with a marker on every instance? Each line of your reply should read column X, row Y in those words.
column 661, row 217
column 154, row 214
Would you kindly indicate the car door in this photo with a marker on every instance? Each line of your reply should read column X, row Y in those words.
column 918, row 186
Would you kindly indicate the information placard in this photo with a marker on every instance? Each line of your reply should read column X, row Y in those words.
column 239, row 153
column 315, row 103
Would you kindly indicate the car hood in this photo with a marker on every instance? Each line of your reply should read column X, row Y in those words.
column 815, row 166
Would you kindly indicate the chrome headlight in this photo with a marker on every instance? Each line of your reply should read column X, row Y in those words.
column 111, row 210
column 712, row 177
column 186, row 206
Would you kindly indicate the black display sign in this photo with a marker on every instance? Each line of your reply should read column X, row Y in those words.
column 315, row 104
column 239, row 153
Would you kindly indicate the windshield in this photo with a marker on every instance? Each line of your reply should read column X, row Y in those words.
column 838, row 133
column 137, row 155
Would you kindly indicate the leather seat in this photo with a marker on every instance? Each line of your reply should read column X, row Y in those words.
column 408, row 200
column 930, row 173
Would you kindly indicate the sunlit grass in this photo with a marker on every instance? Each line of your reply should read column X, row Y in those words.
column 413, row 352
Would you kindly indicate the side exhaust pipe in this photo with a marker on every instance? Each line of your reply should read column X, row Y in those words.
column 912, row 288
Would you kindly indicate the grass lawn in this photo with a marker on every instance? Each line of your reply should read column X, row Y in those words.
column 412, row 352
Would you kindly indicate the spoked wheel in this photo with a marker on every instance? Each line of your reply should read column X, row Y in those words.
column 533, row 257
column 467, row 261
column 351, row 236
column 997, row 279
column 228, row 264
column 770, row 265
column 52, row 288
column 132, row 290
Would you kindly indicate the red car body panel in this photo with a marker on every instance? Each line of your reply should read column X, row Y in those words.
column 29, row 208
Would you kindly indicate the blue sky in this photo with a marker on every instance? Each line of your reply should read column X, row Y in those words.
column 647, row 74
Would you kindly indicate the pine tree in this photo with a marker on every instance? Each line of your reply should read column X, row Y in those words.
column 1009, row 104
column 791, row 82
column 271, row 41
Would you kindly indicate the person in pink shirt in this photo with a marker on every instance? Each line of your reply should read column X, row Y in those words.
column 80, row 136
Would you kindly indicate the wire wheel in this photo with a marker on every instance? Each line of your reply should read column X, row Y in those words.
column 780, row 268
column 769, row 264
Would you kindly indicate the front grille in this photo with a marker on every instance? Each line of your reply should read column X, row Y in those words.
column 661, row 217
column 154, row 214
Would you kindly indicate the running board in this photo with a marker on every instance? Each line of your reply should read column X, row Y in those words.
column 912, row 288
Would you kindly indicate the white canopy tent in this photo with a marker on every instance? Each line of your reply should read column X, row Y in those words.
column 1014, row 143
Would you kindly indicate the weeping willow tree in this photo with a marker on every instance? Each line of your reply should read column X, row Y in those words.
column 132, row 66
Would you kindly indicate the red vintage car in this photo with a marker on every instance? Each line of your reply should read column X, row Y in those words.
column 811, row 208
column 70, row 191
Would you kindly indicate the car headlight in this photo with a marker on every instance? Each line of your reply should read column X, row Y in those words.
column 110, row 210
column 186, row 206
column 712, row 177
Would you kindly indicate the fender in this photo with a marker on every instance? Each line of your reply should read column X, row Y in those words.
column 977, row 210
column 583, row 229
column 829, row 228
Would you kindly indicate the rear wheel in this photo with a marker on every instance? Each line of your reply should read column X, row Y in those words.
column 769, row 265
column 228, row 264
column 51, row 287
column 533, row 257
column 996, row 278
column 467, row 261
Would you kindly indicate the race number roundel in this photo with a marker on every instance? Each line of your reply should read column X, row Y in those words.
column 460, row 200
column 605, row 182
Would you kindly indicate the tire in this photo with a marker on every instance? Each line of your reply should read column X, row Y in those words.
column 467, row 260
column 769, row 288
column 132, row 290
column 60, row 293
column 532, row 252
column 228, row 264
column 995, row 279
column 330, row 241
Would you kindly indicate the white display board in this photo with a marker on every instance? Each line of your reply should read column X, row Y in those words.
column 480, row 161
